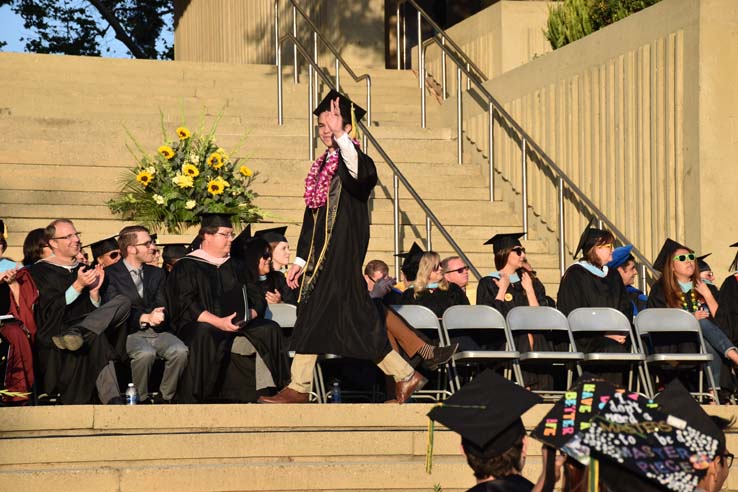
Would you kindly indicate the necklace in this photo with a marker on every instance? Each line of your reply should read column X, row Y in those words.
column 693, row 300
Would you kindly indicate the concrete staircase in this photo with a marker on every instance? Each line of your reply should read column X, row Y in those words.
column 63, row 148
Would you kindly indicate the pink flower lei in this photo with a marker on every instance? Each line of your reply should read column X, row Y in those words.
column 319, row 179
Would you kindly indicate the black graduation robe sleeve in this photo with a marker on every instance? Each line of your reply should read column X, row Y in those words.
column 361, row 186
column 306, row 234
column 727, row 315
column 656, row 298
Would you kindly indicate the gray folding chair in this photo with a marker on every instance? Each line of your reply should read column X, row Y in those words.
column 599, row 321
column 480, row 318
column 542, row 319
column 677, row 321
column 423, row 319
column 285, row 316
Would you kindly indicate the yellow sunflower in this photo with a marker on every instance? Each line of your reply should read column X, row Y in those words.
column 190, row 170
column 246, row 171
column 215, row 160
column 144, row 177
column 166, row 151
column 217, row 186
column 183, row 133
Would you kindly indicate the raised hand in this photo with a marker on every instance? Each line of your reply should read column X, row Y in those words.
column 333, row 119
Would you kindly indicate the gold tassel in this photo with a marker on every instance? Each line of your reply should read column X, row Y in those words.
column 354, row 133
column 4, row 232
column 594, row 475
column 429, row 449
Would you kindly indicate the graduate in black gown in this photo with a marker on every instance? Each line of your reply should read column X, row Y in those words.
column 486, row 413
column 335, row 313
column 512, row 285
column 235, row 354
column 727, row 315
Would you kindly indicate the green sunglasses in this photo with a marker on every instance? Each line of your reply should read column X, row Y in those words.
column 689, row 257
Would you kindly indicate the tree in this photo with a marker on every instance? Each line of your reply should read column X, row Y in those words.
column 80, row 27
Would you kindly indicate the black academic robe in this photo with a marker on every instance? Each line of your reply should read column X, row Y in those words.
column 277, row 281
column 213, row 372
column 436, row 300
column 335, row 313
column 487, row 290
column 727, row 315
column 511, row 483
column 72, row 374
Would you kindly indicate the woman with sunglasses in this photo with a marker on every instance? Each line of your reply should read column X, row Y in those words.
column 680, row 287
column 431, row 290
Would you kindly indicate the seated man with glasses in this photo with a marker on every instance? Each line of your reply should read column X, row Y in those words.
column 216, row 309
column 78, row 337
column 455, row 271
column 149, row 333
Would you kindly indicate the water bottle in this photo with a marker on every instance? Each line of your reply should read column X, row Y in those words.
column 336, row 392
column 131, row 395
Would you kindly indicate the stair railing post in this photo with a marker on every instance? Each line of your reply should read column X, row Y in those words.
column 404, row 42
column 459, row 123
column 420, row 52
column 524, row 173
column 397, row 37
column 443, row 67
column 315, row 72
column 311, row 126
column 562, row 248
column 422, row 91
column 642, row 283
column 276, row 31
column 468, row 80
column 364, row 140
column 428, row 242
column 491, row 151
column 294, row 45
column 396, row 221
column 280, row 109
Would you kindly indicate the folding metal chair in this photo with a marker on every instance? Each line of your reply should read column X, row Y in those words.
column 535, row 319
column 677, row 321
column 423, row 319
column 608, row 320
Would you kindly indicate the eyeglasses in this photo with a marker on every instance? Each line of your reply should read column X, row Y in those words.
column 146, row 244
column 437, row 267
column 69, row 237
column 609, row 246
column 113, row 254
column 266, row 256
column 519, row 251
column 459, row 270
column 227, row 235
column 728, row 459
column 689, row 257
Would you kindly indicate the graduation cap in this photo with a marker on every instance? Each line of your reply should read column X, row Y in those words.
column 734, row 266
column 173, row 251
column 667, row 251
column 702, row 264
column 216, row 219
column 486, row 413
column 573, row 412
column 620, row 256
column 3, row 229
column 411, row 261
column 273, row 235
column 500, row 242
column 589, row 237
column 345, row 105
column 103, row 246
column 238, row 245
column 154, row 237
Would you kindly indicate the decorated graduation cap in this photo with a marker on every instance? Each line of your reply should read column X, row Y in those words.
column 173, row 251
column 620, row 256
column 501, row 242
column 667, row 251
column 486, row 413
column 573, row 412
column 216, row 219
column 273, row 235
column 702, row 264
column 103, row 246
column 589, row 237
column 734, row 266
column 411, row 261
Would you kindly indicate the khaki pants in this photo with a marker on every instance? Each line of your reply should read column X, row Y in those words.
column 303, row 366
column 401, row 335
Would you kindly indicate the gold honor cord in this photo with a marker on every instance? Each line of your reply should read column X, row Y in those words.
column 13, row 394
column 594, row 475
column 354, row 129
column 431, row 434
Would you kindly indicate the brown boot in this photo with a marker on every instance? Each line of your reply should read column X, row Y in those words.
column 287, row 395
column 405, row 389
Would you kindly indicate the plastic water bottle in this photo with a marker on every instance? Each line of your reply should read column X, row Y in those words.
column 131, row 395
column 336, row 392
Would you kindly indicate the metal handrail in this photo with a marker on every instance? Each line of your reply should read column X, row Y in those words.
column 527, row 143
column 398, row 177
column 339, row 62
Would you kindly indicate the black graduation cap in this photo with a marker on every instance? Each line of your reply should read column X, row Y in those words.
column 667, row 251
column 273, row 235
column 411, row 261
column 505, row 241
column 154, row 237
column 573, row 412
column 238, row 245
column 589, row 237
column 103, row 246
column 173, row 251
column 734, row 266
column 486, row 413
column 344, row 105
column 702, row 264
column 213, row 219
column 3, row 229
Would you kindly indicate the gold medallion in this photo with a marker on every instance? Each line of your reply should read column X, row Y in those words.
column 508, row 297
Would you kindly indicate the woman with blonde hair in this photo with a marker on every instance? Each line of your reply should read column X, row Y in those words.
column 431, row 289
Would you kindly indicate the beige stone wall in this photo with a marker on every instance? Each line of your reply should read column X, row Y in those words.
column 641, row 116
column 242, row 31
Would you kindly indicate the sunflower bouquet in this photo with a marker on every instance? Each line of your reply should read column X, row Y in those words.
column 187, row 176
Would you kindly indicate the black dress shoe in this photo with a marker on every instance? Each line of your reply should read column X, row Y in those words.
column 441, row 355
column 116, row 400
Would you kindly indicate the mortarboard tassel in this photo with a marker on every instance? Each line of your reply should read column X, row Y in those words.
column 429, row 448
column 354, row 128
column 594, row 475
column 4, row 230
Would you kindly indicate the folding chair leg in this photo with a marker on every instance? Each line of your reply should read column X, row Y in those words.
column 645, row 375
column 518, row 373
column 319, row 384
column 713, row 386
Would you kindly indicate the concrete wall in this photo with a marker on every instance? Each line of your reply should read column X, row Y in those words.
column 238, row 31
column 641, row 115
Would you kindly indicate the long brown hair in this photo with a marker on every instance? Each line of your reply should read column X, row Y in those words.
column 591, row 256
column 672, row 290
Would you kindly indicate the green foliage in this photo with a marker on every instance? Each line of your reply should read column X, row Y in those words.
column 574, row 19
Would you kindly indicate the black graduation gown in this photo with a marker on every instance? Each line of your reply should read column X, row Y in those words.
column 277, row 281
column 72, row 374
column 511, row 483
column 213, row 372
column 727, row 315
column 535, row 378
column 437, row 300
column 335, row 313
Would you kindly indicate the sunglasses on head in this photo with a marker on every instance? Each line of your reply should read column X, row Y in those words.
column 113, row 255
column 689, row 257
column 519, row 251
column 459, row 270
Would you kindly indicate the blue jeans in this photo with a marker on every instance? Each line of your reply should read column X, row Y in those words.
column 717, row 344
